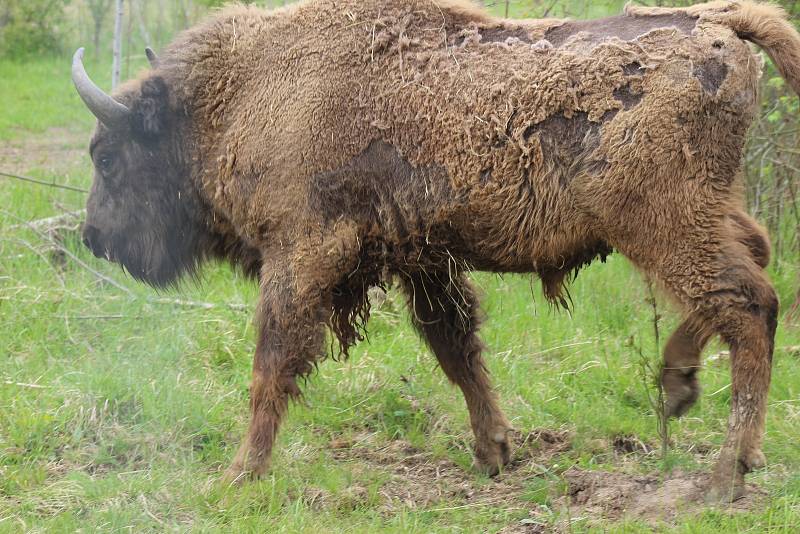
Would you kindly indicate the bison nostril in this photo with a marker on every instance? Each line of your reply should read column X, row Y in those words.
column 91, row 239
column 88, row 234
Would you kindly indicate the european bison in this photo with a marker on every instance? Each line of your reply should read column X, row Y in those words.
column 333, row 146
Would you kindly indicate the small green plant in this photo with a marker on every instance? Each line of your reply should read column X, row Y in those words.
column 650, row 372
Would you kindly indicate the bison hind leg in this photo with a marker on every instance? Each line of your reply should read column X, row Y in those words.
column 683, row 350
column 445, row 312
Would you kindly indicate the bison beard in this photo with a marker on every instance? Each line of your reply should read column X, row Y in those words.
column 333, row 146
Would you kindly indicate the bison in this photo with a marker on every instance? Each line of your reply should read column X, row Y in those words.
column 332, row 146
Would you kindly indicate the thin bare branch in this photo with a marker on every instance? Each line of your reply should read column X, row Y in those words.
column 118, row 285
column 56, row 221
column 41, row 182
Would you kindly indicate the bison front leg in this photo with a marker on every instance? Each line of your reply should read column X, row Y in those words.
column 445, row 312
column 290, row 339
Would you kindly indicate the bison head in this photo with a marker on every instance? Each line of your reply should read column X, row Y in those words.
column 143, row 212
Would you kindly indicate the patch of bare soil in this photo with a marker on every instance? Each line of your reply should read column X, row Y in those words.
column 54, row 150
column 609, row 496
column 418, row 480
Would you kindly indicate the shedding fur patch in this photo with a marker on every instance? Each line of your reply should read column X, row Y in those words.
column 567, row 143
column 625, row 28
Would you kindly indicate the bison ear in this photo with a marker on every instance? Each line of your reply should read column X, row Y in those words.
column 150, row 112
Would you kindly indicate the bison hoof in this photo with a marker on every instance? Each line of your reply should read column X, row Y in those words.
column 724, row 493
column 682, row 391
column 246, row 466
column 235, row 476
column 727, row 482
column 492, row 452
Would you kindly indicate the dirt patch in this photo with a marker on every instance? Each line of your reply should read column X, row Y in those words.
column 416, row 479
column 539, row 445
column 602, row 495
column 54, row 151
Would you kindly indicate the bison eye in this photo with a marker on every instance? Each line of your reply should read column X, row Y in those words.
column 105, row 163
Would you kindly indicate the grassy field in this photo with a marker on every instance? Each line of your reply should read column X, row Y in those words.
column 118, row 410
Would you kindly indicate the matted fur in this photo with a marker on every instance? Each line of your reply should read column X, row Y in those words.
column 332, row 146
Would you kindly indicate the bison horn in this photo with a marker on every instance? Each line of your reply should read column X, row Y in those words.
column 151, row 57
column 103, row 106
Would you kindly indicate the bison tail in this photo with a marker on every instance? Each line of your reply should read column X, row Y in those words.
column 764, row 24
column 767, row 25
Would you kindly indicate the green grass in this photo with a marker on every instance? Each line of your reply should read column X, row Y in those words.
column 118, row 412
column 42, row 97
column 573, row 9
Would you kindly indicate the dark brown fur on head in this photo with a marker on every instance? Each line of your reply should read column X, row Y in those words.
column 143, row 211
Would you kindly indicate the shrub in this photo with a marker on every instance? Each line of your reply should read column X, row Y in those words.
column 31, row 27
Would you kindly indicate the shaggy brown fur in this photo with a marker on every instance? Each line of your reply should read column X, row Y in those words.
column 336, row 145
